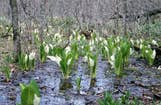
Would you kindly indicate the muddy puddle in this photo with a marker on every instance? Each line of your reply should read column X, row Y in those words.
column 140, row 80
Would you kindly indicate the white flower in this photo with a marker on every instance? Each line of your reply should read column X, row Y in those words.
column 56, row 59
column 153, row 54
column 100, row 38
column 37, row 37
column 79, row 37
column 112, row 60
column 91, row 43
column 47, row 34
column 57, row 35
column 106, row 49
column 97, row 40
column 105, row 42
column 117, row 39
column 91, row 62
column 131, row 51
column 82, row 47
column 141, row 46
column 83, row 37
column 119, row 48
column 47, row 49
column 91, row 48
column 113, row 57
column 69, row 61
column 32, row 56
column 43, row 43
column 149, row 46
column 36, row 100
column 71, row 37
column 85, row 59
column 67, row 49
column 26, row 58
column 141, row 41
column 49, row 26
column 159, row 68
column 137, row 41
column 74, row 32
column 154, row 42
column 146, row 51
column 51, row 46
column 132, row 41
column 36, row 31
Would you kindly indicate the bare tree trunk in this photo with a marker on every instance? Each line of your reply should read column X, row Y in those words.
column 16, row 33
column 42, row 20
column 125, row 17
column 116, row 21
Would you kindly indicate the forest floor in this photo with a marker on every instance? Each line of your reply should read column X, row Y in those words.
column 140, row 80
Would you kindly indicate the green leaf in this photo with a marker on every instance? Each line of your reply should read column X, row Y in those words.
column 35, row 87
column 27, row 96
column 30, row 94
column 22, row 86
column 100, row 102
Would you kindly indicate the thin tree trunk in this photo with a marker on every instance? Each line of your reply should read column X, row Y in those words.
column 16, row 33
column 42, row 20
column 116, row 21
column 125, row 17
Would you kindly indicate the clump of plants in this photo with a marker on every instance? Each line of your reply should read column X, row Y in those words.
column 6, row 69
column 26, row 61
column 65, row 59
column 44, row 50
column 78, row 84
column 92, row 60
column 123, row 100
column 148, row 53
column 120, row 56
column 30, row 94
column 74, row 49
column 108, row 47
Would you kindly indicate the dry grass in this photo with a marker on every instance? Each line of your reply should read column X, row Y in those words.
column 5, row 49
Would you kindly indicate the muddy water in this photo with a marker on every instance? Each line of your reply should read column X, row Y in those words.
column 141, row 81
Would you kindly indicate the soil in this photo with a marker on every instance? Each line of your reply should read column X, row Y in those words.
column 142, row 81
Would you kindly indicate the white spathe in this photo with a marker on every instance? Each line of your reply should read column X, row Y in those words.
column 26, row 58
column 50, row 45
column 69, row 61
column 141, row 46
column 153, row 54
column 146, row 51
column 113, row 57
column 91, row 62
column 106, row 49
column 117, row 39
column 67, row 49
column 36, row 100
column 137, row 42
column 149, row 46
column 154, row 42
column 132, row 41
column 32, row 56
column 56, row 59
column 112, row 60
column 85, row 59
column 57, row 35
column 131, row 51
column 47, row 49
